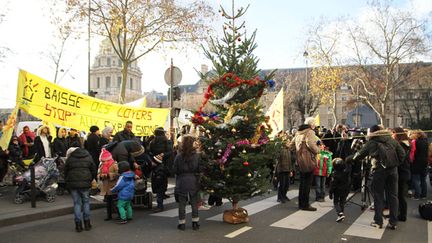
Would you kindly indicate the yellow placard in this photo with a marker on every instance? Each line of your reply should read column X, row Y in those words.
column 276, row 114
column 52, row 103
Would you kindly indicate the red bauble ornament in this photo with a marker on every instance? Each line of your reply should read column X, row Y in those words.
column 239, row 39
column 246, row 163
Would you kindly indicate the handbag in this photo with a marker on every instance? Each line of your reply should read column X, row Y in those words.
column 305, row 158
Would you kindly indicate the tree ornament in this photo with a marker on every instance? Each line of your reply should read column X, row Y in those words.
column 233, row 130
column 246, row 163
column 249, row 175
column 244, row 151
column 220, row 150
column 219, row 154
column 239, row 39
column 233, row 147
column 207, row 131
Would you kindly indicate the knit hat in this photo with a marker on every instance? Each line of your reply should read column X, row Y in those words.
column 123, row 166
column 375, row 128
column 105, row 155
column 93, row 129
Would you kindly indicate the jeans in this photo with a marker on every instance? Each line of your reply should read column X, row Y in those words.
column 385, row 180
column 419, row 183
column 319, row 187
column 81, row 200
column 304, row 189
column 193, row 200
column 125, row 209
column 284, row 180
column 159, row 199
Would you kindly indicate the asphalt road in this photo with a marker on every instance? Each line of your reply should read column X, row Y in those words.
column 269, row 222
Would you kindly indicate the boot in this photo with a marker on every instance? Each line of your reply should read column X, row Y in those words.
column 78, row 226
column 87, row 225
column 195, row 226
column 181, row 227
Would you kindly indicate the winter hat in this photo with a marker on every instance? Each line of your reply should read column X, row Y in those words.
column 123, row 166
column 105, row 155
column 70, row 151
column 159, row 131
column 94, row 129
column 375, row 128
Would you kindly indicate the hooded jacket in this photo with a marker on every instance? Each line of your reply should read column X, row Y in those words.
column 420, row 161
column 371, row 146
column 306, row 132
column 79, row 169
column 39, row 148
column 126, row 151
column 125, row 186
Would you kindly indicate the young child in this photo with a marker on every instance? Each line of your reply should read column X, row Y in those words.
column 126, row 188
column 108, row 174
column 340, row 185
column 159, row 182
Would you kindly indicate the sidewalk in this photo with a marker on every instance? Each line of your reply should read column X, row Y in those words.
column 11, row 213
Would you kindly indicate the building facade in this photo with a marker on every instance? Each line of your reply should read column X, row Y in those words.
column 106, row 76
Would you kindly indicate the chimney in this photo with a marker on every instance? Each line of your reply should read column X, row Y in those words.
column 204, row 68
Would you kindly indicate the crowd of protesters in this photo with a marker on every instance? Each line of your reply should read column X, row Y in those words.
column 396, row 160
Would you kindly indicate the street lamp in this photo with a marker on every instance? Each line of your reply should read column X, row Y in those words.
column 88, row 49
column 306, row 55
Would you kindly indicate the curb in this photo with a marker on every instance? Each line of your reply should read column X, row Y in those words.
column 44, row 214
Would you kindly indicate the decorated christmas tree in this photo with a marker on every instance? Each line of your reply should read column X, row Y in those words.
column 238, row 152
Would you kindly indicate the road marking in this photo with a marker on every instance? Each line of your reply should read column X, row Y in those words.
column 361, row 227
column 174, row 212
column 238, row 232
column 429, row 231
column 259, row 206
column 302, row 219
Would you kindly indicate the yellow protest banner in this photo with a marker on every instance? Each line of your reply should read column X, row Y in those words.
column 8, row 129
column 276, row 114
column 57, row 105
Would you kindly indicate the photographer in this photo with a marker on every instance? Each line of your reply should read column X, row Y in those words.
column 386, row 155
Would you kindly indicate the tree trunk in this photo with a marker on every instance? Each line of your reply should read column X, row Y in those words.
column 124, row 82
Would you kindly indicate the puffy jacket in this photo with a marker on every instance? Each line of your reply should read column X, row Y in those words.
column 187, row 174
column 127, row 151
column 420, row 162
column 60, row 146
column 125, row 186
column 79, row 169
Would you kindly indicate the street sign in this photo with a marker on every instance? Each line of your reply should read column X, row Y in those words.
column 176, row 76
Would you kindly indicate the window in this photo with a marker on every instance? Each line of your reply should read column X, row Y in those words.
column 108, row 61
column 107, row 81
column 99, row 62
column 98, row 82
column 387, row 122
column 344, row 109
column 130, row 84
column 118, row 82
column 344, row 98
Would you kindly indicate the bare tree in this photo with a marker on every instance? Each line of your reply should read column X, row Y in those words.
column 324, row 44
column 380, row 44
column 137, row 27
column 3, row 12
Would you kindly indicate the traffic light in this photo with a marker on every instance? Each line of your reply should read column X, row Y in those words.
column 176, row 93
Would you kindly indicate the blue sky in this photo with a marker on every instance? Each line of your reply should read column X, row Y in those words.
column 281, row 31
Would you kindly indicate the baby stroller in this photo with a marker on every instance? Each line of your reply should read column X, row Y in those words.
column 142, row 197
column 46, row 175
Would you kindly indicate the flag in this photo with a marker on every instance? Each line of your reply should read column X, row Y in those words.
column 275, row 113
column 8, row 129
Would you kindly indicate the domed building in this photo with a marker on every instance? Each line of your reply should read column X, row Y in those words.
column 106, row 76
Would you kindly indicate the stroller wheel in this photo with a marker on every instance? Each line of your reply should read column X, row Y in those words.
column 50, row 197
column 19, row 199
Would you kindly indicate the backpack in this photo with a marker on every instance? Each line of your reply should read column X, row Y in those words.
column 110, row 146
column 386, row 155
column 425, row 210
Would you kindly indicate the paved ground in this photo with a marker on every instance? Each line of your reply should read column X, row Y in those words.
column 270, row 222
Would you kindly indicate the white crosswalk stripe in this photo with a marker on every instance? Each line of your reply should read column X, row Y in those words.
column 361, row 227
column 259, row 206
column 302, row 219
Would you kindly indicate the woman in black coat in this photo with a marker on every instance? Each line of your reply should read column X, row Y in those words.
column 60, row 145
column 92, row 144
column 419, row 164
column 403, row 171
column 187, row 168
column 42, row 143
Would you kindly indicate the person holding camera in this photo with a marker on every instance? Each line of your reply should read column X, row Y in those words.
column 386, row 154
